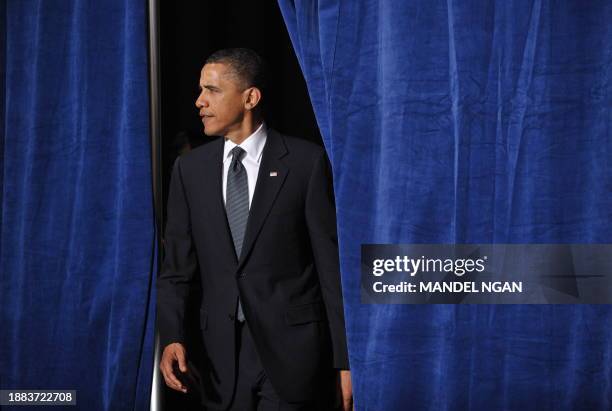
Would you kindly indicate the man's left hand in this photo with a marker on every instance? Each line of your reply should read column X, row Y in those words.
column 346, row 390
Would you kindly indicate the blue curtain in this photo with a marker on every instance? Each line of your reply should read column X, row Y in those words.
column 77, row 239
column 466, row 122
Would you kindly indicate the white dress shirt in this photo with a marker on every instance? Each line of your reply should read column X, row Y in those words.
column 253, row 145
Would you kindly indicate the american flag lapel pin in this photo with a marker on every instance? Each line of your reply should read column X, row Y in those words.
column 273, row 173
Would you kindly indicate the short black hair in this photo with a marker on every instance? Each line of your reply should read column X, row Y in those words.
column 245, row 63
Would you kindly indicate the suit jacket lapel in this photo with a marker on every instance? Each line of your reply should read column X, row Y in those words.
column 266, row 189
column 213, row 166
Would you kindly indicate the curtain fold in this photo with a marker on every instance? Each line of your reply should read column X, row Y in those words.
column 77, row 236
column 466, row 122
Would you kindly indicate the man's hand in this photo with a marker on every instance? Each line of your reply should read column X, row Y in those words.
column 346, row 390
column 174, row 353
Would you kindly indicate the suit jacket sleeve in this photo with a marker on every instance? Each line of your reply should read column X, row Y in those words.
column 180, row 264
column 321, row 222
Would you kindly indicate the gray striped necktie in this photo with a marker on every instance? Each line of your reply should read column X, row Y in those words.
column 237, row 204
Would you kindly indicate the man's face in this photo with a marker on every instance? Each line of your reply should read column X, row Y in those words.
column 221, row 101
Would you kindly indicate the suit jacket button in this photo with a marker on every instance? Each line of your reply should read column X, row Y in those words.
column 232, row 317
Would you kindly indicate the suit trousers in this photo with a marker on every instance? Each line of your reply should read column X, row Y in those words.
column 253, row 390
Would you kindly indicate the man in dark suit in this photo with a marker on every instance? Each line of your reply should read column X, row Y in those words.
column 253, row 215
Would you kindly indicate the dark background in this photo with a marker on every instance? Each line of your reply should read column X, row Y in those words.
column 189, row 32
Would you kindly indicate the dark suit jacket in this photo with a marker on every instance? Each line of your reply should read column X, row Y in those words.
column 287, row 277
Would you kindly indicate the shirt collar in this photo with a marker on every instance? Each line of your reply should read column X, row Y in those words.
column 253, row 144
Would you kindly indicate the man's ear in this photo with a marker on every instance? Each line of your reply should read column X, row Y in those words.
column 253, row 97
